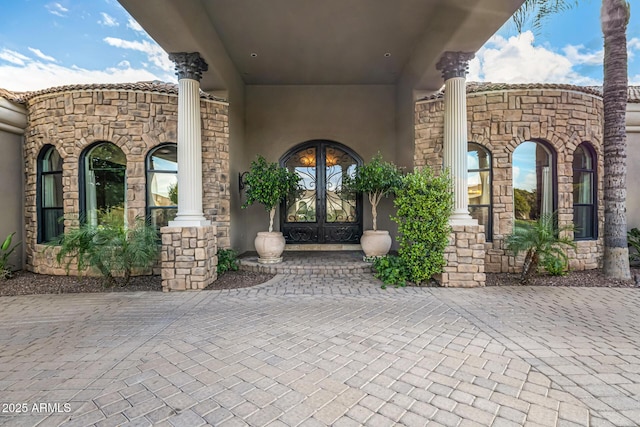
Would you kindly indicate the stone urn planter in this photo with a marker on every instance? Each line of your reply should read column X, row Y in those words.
column 269, row 184
column 269, row 245
column 375, row 243
column 375, row 179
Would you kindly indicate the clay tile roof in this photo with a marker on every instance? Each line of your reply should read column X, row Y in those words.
column 11, row 96
column 475, row 87
column 151, row 86
column 633, row 93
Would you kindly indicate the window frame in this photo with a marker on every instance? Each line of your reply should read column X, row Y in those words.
column 589, row 150
column 82, row 179
column 40, row 208
column 554, row 173
column 149, row 171
column 488, row 231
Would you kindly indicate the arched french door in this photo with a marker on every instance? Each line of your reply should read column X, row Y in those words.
column 321, row 213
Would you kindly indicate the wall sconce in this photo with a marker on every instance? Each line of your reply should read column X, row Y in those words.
column 241, row 181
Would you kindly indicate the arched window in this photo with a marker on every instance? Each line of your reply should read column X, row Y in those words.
column 479, row 186
column 533, row 182
column 585, row 214
column 162, row 184
column 104, row 167
column 49, row 196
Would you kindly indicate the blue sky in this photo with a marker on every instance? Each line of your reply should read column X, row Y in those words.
column 51, row 43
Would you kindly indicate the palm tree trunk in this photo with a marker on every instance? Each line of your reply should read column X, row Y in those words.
column 127, row 277
column 614, row 19
column 530, row 267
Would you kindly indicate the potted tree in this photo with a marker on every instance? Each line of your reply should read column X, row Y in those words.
column 269, row 184
column 375, row 179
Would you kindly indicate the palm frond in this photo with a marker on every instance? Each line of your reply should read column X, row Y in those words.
column 541, row 240
column 538, row 11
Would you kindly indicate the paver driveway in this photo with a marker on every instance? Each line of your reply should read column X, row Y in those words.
column 323, row 350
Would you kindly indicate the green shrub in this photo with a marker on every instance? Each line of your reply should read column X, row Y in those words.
column 5, row 252
column 114, row 249
column 391, row 270
column 555, row 266
column 227, row 260
column 542, row 243
column 633, row 240
column 424, row 203
column 173, row 193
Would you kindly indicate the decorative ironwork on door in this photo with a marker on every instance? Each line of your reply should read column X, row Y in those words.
column 321, row 212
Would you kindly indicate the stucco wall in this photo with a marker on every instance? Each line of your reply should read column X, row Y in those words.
column 633, row 165
column 281, row 117
column 11, row 192
column 237, row 160
column 500, row 121
column 135, row 121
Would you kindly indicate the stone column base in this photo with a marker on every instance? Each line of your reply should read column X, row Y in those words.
column 188, row 258
column 465, row 257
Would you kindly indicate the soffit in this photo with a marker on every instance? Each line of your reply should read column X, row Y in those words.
column 300, row 42
column 319, row 42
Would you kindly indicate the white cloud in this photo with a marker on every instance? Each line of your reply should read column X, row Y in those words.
column 632, row 45
column 39, row 54
column 13, row 57
column 634, row 80
column 108, row 20
column 528, row 182
column 133, row 24
column 574, row 55
column 57, row 9
column 37, row 75
column 518, row 60
column 515, row 173
column 154, row 53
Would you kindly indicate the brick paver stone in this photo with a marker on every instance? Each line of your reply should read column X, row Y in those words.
column 323, row 349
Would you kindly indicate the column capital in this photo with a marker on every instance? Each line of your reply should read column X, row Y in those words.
column 189, row 65
column 454, row 64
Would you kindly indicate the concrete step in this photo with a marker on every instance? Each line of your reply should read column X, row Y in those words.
column 310, row 262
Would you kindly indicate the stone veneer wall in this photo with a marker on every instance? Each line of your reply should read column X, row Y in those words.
column 188, row 258
column 134, row 120
column 502, row 119
column 465, row 258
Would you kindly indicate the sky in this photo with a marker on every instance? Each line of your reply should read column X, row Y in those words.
column 52, row 43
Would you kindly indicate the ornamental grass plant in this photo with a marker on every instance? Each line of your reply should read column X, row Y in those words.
column 114, row 249
column 544, row 243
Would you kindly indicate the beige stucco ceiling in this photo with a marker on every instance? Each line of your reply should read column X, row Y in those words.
column 321, row 41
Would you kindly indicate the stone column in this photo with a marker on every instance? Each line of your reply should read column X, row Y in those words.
column 188, row 257
column 454, row 69
column 465, row 253
column 189, row 68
